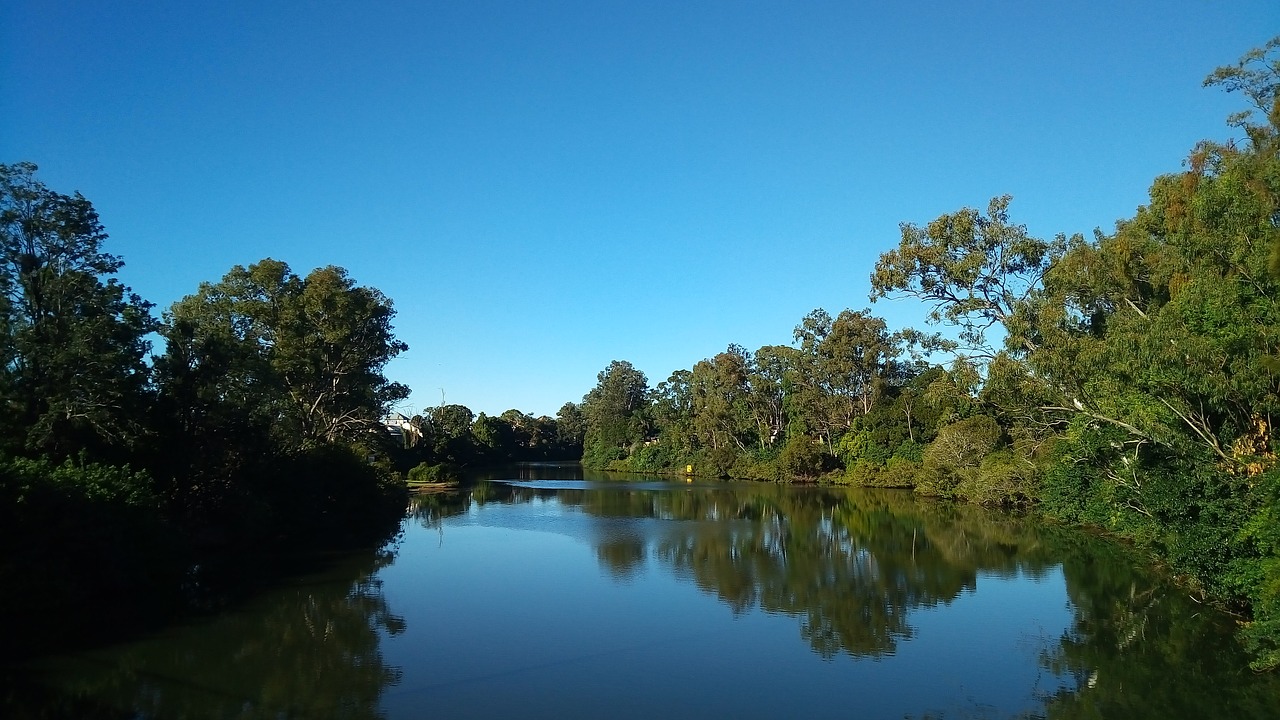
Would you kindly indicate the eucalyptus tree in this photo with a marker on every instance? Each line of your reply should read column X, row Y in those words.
column 74, row 348
column 845, row 362
column 616, row 413
column 770, row 384
column 974, row 270
column 720, row 395
column 307, row 354
column 672, row 410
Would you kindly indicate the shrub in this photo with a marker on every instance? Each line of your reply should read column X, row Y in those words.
column 426, row 473
column 801, row 458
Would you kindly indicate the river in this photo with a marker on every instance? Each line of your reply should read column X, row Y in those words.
column 544, row 592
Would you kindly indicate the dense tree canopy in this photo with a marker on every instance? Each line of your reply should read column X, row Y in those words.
column 307, row 352
column 74, row 339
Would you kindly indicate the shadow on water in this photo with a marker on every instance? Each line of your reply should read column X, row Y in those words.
column 308, row 649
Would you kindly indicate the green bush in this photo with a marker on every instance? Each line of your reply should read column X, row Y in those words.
column 761, row 466
column 800, row 458
column 426, row 473
column 1001, row 479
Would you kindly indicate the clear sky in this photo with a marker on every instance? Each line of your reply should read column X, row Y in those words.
column 543, row 187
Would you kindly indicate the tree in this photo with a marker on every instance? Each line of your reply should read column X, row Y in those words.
column 74, row 372
column 571, row 427
column 306, row 354
column 446, row 433
column 615, row 413
column 721, row 416
column 771, row 379
column 495, row 436
column 845, row 363
column 1160, row 339
column 974, row 269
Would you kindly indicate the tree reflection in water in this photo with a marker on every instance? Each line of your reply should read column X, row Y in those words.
column 1140, row 646
column 309, row 650
column 853, row 565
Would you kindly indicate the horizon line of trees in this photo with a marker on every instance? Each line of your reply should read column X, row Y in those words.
column 1131, row 381
column 452, row 436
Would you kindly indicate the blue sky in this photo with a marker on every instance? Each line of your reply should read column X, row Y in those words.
column 544, row 187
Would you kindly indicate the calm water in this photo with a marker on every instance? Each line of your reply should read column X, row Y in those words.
column 541, row 594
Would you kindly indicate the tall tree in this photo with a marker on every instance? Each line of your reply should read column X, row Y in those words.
column 571, row 427
column 846, row 361
column 974, row 269
column 771, row 380
column 306, row 352
column 74, row 338
column 719, row 386
column 615, row 412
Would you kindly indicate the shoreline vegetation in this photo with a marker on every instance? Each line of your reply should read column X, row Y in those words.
column 1128, row 383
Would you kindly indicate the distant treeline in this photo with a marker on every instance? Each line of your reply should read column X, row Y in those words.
column 453, row 437
column 1131, row 381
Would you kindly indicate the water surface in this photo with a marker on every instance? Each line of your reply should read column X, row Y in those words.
column 542, row 592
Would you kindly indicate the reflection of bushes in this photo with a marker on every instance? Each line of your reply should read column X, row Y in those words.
column 310, row 650
column 94, row 548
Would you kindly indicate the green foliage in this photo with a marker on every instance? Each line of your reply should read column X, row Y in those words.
column 802, row 458
column 74, row 375
column 615, row 414
column 973, row 269
column 760, row 465
column 78, row 535
column 656, row 457
column 303, row 355
column 248, row 435
column 910, row 451
column 427, row 474
column 962, row 445
column 1255, row 574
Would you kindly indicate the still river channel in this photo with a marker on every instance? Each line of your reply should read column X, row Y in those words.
column 544, row 593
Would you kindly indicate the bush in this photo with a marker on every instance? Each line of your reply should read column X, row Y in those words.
column 655, row 457
column 426, row 473
column 951, row 461
column 761, row 466
column 1001, row 479
column 963, row 444
column 801, row 458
